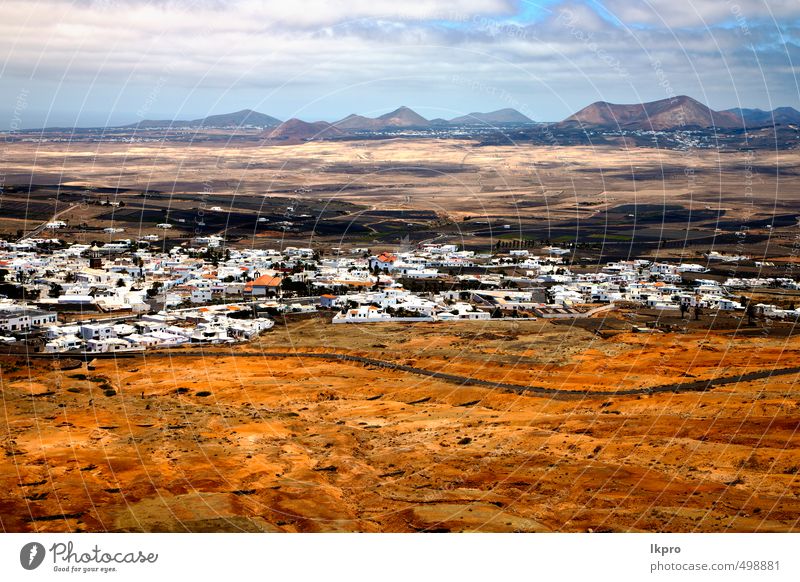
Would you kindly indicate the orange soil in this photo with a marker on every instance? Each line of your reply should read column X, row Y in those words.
column 284, row 444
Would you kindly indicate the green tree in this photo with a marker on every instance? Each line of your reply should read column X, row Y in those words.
column 155, row 289
column 751, row 313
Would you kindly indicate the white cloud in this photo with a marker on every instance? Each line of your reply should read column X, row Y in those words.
column 702, row 13
column 300, row 14
column 574, row 55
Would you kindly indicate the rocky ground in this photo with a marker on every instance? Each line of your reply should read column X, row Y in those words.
column 264, row 443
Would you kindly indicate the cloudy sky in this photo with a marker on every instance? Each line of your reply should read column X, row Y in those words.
column 98, row 62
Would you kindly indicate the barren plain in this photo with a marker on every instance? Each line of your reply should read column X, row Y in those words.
column 261, row 437
column 390, row 191
column 245, row 439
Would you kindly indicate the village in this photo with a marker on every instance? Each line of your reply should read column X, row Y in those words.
column 127, row 295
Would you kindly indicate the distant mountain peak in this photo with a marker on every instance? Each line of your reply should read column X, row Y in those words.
column 501, row 116
column 239, row 118
column 296, row 130
column 758, row 117
column 244, row 117
column 400, row 117
column 404, row 117
column 671, row 113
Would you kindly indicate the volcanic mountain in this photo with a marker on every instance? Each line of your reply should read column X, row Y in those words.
column 671, row 113
column 245, row 117
column 401, row 117
column 354, row 121
column 759, row 117
column 296, row 130
column 499, row 117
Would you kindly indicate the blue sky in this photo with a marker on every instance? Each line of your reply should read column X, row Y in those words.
column 98, row 62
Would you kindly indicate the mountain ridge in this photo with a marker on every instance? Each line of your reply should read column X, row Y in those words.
column 671, row 113
column 753, row 117
column 506, row 115
column 296, row 130
column 244, row 117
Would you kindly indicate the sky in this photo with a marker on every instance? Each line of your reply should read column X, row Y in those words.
column 112, row 62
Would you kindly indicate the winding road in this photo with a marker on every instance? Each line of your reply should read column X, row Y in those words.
column 675, row 387
column 695, row 386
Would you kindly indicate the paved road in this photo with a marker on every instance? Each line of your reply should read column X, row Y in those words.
column 696, row 386
column 677, row 387
column 40, row 228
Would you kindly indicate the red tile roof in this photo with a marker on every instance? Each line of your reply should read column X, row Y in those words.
column 265, row 281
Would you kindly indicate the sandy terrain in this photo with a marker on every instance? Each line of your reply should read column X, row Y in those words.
column 453, row 177
column 241, row 442
column 285, row 444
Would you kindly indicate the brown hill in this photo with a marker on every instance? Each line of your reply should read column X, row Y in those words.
column 501, row 116
column 354, row 121
column 243, row 118
column 296, row 130
column 671, row 113
column 401, row 117
column 759, row 117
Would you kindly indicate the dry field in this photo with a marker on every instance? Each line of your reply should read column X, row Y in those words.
column 266, row 443
column 454, row 178
column 238, row 440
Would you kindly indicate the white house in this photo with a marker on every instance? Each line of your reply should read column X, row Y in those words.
column 201, row 295
column 384, row 262
column 363, row 314
column 25, row 319
column 97, row 331
column 63, row 343
column 112, row 344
